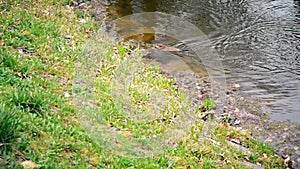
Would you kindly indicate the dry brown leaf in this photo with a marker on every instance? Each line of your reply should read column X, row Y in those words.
column 95, row 160
column 127, row 134
column 30, row 165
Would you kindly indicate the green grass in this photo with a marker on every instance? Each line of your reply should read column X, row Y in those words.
column 9, row 124
column 44, row 120
column 207, row 104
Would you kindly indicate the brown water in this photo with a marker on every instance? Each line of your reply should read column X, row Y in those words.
column 258, row 41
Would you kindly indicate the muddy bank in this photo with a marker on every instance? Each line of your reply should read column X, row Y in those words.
column 239, row 110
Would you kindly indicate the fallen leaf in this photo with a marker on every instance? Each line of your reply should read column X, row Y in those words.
column 236, row 110
column 30, row 165
column 66, row 94
column 237, row 122
column 265, row 155
column 127, row 134
column 236, row 86
column 82, row 21
column 95, row 160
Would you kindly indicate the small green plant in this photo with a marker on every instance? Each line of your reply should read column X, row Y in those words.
column 254, row 158
column 34, row 100
column 9, row 122
column 6, row 77
column 122, row 50
column 80, row 14
column 7, row 60
column 208, row 164
column 207, row 104
column 68, row 2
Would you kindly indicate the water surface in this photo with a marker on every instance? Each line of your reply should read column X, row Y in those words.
column 259, row 42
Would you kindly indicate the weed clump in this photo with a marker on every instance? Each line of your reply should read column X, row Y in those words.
column 9, row 123
column 33, row 100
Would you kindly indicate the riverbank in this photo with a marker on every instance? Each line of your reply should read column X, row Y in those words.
column 43, row 127
column 240, row 110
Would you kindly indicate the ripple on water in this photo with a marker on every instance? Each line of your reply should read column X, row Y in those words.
column 259, row 42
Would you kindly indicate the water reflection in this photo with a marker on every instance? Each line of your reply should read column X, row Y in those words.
column 259, row 42
column 127, row 7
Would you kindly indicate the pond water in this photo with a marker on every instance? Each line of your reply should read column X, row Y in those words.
column 258, row 41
